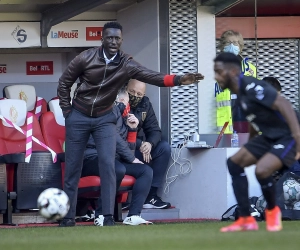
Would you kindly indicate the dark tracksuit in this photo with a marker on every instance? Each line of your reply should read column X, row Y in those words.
column 149, row 131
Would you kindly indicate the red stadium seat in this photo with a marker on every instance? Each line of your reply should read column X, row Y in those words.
column 34, row 104
column 25, row 180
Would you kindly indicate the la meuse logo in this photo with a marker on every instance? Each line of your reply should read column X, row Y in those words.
column 64, row 34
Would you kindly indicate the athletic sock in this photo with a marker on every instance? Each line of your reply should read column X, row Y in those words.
column 269, row 191
column 240, row 187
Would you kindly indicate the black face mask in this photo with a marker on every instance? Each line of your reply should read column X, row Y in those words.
column 134, row 100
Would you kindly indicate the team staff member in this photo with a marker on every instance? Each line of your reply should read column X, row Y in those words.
column 150, row 148
column 102, row 72
column 232, row 41
column 278, row 145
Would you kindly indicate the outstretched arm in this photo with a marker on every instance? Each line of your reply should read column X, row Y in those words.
column 191, row 78
column 141, row 73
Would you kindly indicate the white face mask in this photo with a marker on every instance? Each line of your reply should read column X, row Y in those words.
column 232, row 49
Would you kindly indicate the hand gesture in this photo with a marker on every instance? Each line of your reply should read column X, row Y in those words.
column 145, row 150
column 147, row 157
column 190, row 78
column 146, row 147
column 136, row 160
column 132, row 121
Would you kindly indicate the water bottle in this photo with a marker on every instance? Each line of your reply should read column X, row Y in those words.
column 234, row 140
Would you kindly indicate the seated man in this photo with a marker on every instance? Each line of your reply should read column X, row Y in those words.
column 125, row 163
column 150, row 149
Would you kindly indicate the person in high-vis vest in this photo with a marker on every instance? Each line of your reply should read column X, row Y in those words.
column 233, row 42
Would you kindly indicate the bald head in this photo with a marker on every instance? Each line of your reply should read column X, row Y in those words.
column 136, row 88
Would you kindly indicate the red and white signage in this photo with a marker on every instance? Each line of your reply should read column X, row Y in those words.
column 3, row 68
column 39, row 68
column 76, row 34
column 20, row 34
column 45, row 68
column 93, row 33
column 64, row 34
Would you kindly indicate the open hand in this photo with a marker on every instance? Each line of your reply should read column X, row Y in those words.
column 147, row 157
column 190, row 78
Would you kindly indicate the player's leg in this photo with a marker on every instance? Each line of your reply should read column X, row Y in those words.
column 268, row 164
column 236, row 165
column 265, row 167
column 282, row 153
column 245, row 157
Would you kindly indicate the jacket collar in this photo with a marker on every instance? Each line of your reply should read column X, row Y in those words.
column 117, row 58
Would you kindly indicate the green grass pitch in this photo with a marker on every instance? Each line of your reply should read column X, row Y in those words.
column 184, row 236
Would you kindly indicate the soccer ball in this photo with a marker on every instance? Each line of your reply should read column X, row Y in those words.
column 53, row 204
column 261, row 204
column 291, row 192
column 297, row 206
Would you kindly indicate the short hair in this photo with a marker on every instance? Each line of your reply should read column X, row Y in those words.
column 228, row 33
column 273, row 81
column 226, row 57
column 112, row 25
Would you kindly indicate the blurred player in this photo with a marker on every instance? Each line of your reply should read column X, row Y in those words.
column 277, row 146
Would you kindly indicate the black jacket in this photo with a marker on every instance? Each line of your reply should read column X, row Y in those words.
column 99, row 82
column 124, row 149
column 148, row 123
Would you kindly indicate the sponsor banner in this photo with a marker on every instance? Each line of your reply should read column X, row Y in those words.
column 76, row 34
column 45, row 68
column 39, row 68
column 93, row 33
column 20, row 34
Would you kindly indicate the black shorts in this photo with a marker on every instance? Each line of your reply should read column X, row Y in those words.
column 284, row 148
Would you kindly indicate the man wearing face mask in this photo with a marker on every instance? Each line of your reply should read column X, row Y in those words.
column 125, row 163
column 232, row 42
column 149, row 146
